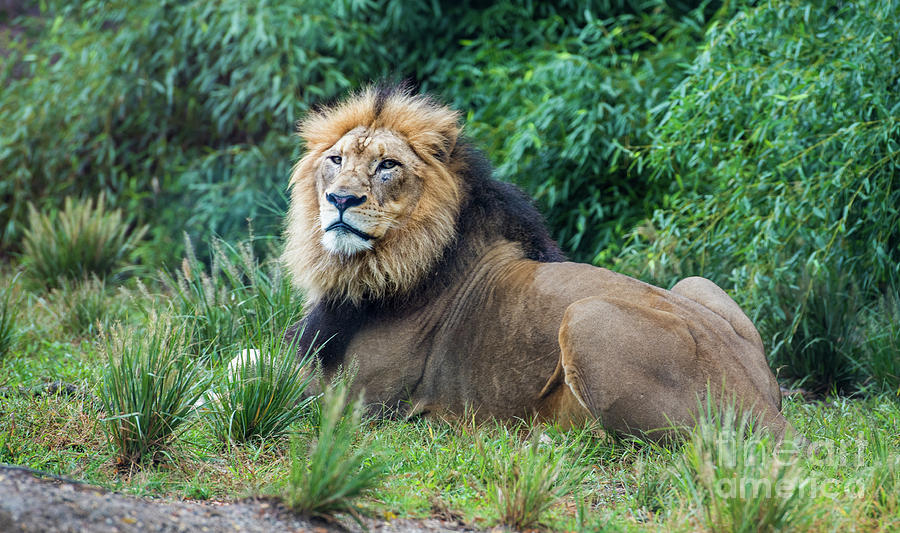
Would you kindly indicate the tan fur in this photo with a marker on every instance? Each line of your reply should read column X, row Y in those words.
column 505, row 329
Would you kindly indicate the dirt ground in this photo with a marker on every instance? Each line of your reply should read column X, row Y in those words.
column 31, row 501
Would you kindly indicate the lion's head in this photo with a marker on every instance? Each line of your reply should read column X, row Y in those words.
column 374, row 200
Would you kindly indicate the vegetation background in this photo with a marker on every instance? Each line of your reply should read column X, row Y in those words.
column 756, row 143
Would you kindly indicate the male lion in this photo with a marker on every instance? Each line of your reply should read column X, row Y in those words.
column 446, row 288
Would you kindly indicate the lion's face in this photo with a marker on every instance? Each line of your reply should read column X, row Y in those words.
column 367, row 187
column 374, row 200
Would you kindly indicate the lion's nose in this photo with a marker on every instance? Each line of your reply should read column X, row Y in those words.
column 344, row 201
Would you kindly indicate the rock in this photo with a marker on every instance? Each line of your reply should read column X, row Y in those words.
column 32, row 501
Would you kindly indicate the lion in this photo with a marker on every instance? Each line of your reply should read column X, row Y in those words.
column 447, row 289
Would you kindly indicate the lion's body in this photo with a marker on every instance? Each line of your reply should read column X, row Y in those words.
column 490, row 318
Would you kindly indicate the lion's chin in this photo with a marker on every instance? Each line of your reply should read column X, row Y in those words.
column 345, row 243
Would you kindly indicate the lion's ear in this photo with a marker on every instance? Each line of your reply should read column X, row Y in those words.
column 438, row 145
column 439, row 135
column 451, row 136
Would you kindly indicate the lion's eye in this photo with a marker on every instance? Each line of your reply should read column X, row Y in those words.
column 336, row 159
column 389, row 164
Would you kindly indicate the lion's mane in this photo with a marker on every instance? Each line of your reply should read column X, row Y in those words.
column 461, row 207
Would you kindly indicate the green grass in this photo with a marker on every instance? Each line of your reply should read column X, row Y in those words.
column 87, row 307
column 482, row 475
column 8, row 331
column 335, row 469
column 80, row 241
column 738, row 478
column 524, row 479
column 878, row 342
column 148, row 388
column 818, row 353
column 262, row 392
column 232, row 298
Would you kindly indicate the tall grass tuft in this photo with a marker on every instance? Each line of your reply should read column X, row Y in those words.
column 883, row 488
column 82, row 240
column 8, row 331
column 653, row 490
column 233, row 298
column 738, row 478
column 148, row 388
column 819, row 349
column 525, row 479
column 262, row 392
column 326, row 477
column 878, row 354
column 86, row 307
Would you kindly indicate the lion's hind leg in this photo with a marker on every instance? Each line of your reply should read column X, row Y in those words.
column 711, row 296
column 631, row 366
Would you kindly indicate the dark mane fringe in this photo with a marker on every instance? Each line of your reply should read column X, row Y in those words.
column 386, row 88
column 498, row 207
column 492, row 210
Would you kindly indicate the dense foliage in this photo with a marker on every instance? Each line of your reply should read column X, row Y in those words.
column 784, row 145
column 167, row 107
column 8, row 331
column 561, row 103
column 188, row 107
column 755, row 143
